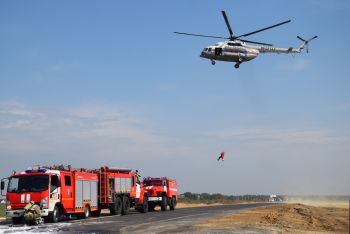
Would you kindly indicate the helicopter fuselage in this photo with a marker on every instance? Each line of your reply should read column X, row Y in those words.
column 236, row 50
column 228, row 51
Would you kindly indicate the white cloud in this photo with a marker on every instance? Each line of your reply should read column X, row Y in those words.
column 19, row 116
column 15, row 109
column 273, row 136
column 99, row 127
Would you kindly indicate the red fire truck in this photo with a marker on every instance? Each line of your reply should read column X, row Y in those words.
column 57, row 189
column 121, row 189
column 61, row 190
column 161, row 191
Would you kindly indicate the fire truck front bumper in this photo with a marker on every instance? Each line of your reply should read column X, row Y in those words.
column 44, row 212
column 20, row 213
column 154, row 198
column 15, row 213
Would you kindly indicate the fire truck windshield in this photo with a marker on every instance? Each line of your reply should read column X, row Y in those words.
column 153, row 182
column 31, row 183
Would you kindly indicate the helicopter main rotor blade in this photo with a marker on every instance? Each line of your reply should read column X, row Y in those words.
column 255, row 42
column 301, row 39
column 263, row 29
column 200, row 35
column 312, row 38
column 227, row 24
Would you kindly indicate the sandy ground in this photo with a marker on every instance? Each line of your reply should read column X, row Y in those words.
column 321, row 203
column 283, row 218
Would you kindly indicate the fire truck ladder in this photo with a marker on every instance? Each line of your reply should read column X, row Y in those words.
column 104, row 195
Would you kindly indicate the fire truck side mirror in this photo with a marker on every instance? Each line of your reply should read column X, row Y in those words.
column 4, row 186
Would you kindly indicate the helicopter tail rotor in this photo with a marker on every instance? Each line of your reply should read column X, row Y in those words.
column 306, row 43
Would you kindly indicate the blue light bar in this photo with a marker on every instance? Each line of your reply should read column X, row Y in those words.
column 39, row 170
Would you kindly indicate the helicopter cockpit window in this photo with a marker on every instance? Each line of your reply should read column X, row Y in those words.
column 209, row 49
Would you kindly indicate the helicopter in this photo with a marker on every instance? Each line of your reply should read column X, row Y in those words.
column 236, row 49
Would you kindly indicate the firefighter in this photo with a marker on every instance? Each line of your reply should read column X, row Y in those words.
column 32, row 214
column 222, row 156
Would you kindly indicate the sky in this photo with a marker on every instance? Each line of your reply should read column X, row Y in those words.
column 92, row 83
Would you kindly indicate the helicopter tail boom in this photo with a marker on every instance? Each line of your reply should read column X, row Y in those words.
column 304, row 45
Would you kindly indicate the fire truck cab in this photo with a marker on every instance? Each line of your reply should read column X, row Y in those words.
column 58, row 190
column 161, row 191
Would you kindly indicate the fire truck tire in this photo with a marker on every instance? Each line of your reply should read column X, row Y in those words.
column 96, row 213
column 116, row 208
column 17, row 220
column 151, row 206
column 126, row 205
column 172, row 203
column 55, row 215
column 164, row 203
column 144, row 206
column 87, row 212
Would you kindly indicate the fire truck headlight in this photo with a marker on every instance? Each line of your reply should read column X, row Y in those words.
column 44, row 203
column 8, row 205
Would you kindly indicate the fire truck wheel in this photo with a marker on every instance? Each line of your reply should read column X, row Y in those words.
column 151, row 206
column 126, row 205
column 164, row 204
column 116, row 208
column 55, row 215
column 96, row 213
column 86, row 212
column 172, row 203
column 144, row 207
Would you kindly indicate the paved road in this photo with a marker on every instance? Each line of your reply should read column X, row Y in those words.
column 176, row 221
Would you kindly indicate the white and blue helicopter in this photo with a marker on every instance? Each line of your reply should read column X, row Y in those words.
column 236, row 49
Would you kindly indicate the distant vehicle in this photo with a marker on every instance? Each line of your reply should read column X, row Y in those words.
column 161, row 191
column 275, row 198
column 236, row 50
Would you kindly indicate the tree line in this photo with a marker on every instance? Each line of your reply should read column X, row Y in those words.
column 218, row 197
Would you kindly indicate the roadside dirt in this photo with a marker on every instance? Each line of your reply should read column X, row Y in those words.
column 283, row 218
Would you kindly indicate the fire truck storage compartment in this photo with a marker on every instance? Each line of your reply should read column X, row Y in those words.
column 85, row 191
column 122, row 185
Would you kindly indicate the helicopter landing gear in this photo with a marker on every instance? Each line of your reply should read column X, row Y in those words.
column 237, row 65
column 212, row 62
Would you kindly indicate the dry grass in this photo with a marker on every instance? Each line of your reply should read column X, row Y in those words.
column 2, row 210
